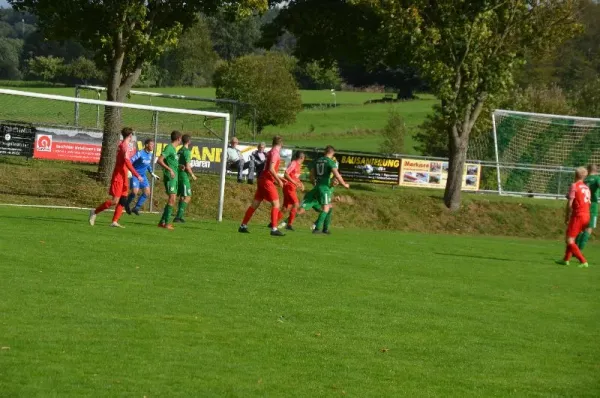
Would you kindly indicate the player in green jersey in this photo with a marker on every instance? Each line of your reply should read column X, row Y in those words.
column 593, row 182
column 184, row 189
column 169, row 160
column 320, row 175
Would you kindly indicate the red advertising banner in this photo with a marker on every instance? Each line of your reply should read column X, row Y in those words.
column 67, row 145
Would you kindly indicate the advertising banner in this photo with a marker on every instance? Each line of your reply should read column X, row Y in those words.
column 68, row 145
column 372, row 169
column 434, row 174
column 16, row 139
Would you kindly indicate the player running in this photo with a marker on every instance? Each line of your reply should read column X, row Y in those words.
column 142, row 163
column 267, row 189
column 169, row 160
column 184, row 188
column 593, row 182
column 320, row 176
column 119, row 182
column 577, row 216
column 291, row 182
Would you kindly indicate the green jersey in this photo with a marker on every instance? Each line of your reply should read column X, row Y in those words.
column 593, row 182
column 185, row 157
column 323, row 168
column 171, row 157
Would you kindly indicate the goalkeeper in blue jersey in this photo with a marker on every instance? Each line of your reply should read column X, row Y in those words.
column 142, row 162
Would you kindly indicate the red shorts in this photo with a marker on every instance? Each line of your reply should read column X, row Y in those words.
column 290, row 197
column 119, row 186
column 266, row 191
column 577, row 224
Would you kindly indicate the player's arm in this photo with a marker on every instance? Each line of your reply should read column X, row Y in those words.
column 273, row 172
column 161, row 162
column 129, row 165
column 189, row 171
column 339, row 177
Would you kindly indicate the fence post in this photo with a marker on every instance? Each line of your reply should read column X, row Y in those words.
column 559, row 180
column 155, row 128
column 233, row 126
column 77, row 95
column 98, row 111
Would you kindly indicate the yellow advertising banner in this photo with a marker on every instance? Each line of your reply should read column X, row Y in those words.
column 434, row 173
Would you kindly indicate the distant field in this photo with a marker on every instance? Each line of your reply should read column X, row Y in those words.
column 352, row 125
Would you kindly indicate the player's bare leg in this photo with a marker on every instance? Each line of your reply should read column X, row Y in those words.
column 248, row 216
column 104, row 206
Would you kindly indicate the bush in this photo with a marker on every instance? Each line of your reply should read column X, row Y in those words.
column 263, row 81
column 313, row 76
column 550, row 99
column 80, row 71
column 10, row 50
column 393, row 134
column 46, row 69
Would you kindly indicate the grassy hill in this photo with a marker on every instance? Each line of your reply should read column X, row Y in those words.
column 353, row 125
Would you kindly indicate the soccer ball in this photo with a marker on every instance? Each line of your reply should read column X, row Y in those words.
column 368, row 169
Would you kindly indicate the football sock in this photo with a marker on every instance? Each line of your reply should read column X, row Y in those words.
column 327, row 220
column 583, row 239
column 321, row 219
column 577, row 253
column 118, row 212
column 130, row 198
column 292, row 216
column 103, row 206
column 279, row 216
column 141, row 201
column 248, row 215
column 275, row 217
column 181, row 209
column 568, row 253
column 166, row 216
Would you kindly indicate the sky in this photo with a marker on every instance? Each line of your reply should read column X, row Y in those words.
column 3, row 3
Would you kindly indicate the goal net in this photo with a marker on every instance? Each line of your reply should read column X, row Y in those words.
column 537, row 153
column 59, row 138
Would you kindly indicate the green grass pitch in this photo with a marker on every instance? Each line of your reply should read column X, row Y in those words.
column 205, row 311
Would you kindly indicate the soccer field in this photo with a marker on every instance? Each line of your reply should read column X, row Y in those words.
column 205, row 311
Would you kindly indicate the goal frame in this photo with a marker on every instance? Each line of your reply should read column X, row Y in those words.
column 500, row 165
column 156, row 110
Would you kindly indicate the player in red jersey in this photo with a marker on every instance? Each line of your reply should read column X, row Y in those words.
column 119, row 185
column 577, row 216
column 291, row 183
column 268, row 182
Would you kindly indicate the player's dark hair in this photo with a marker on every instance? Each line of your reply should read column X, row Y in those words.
column 186, row 138
column 175, row 135
column 126, row 132
column 148, row 141
column 298, row 155
column 277, row 140
column 329, row 149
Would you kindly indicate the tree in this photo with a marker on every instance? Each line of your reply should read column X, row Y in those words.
column 124, row 35
column 314, row 76
column 82, row 71
column 467, row 51
column 588, row 99
column 193, row 61
column 9, row 58
column 233, row 38
column 264, row 81
column 393, row 133
column 347, row 34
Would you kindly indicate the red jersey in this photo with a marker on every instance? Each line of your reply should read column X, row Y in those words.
column 293, row 170
column 272, row 159
column 123, row 163
column 581, row 195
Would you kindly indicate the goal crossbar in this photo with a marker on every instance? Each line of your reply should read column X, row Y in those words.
column 545, row 115
column 74, row 100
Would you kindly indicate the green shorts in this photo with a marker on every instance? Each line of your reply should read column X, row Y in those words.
column 171, row 184
column 324, row 195
column 184, row 188
column 310, row 201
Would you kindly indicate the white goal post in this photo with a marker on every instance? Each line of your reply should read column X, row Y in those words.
column 12, row 103
column 535, row 154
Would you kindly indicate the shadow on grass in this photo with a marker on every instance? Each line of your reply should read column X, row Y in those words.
column 472, row 256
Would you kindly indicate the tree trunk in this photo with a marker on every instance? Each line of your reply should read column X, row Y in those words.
column 456, row 166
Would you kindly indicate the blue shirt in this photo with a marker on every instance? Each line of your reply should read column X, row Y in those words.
column 142, row 162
